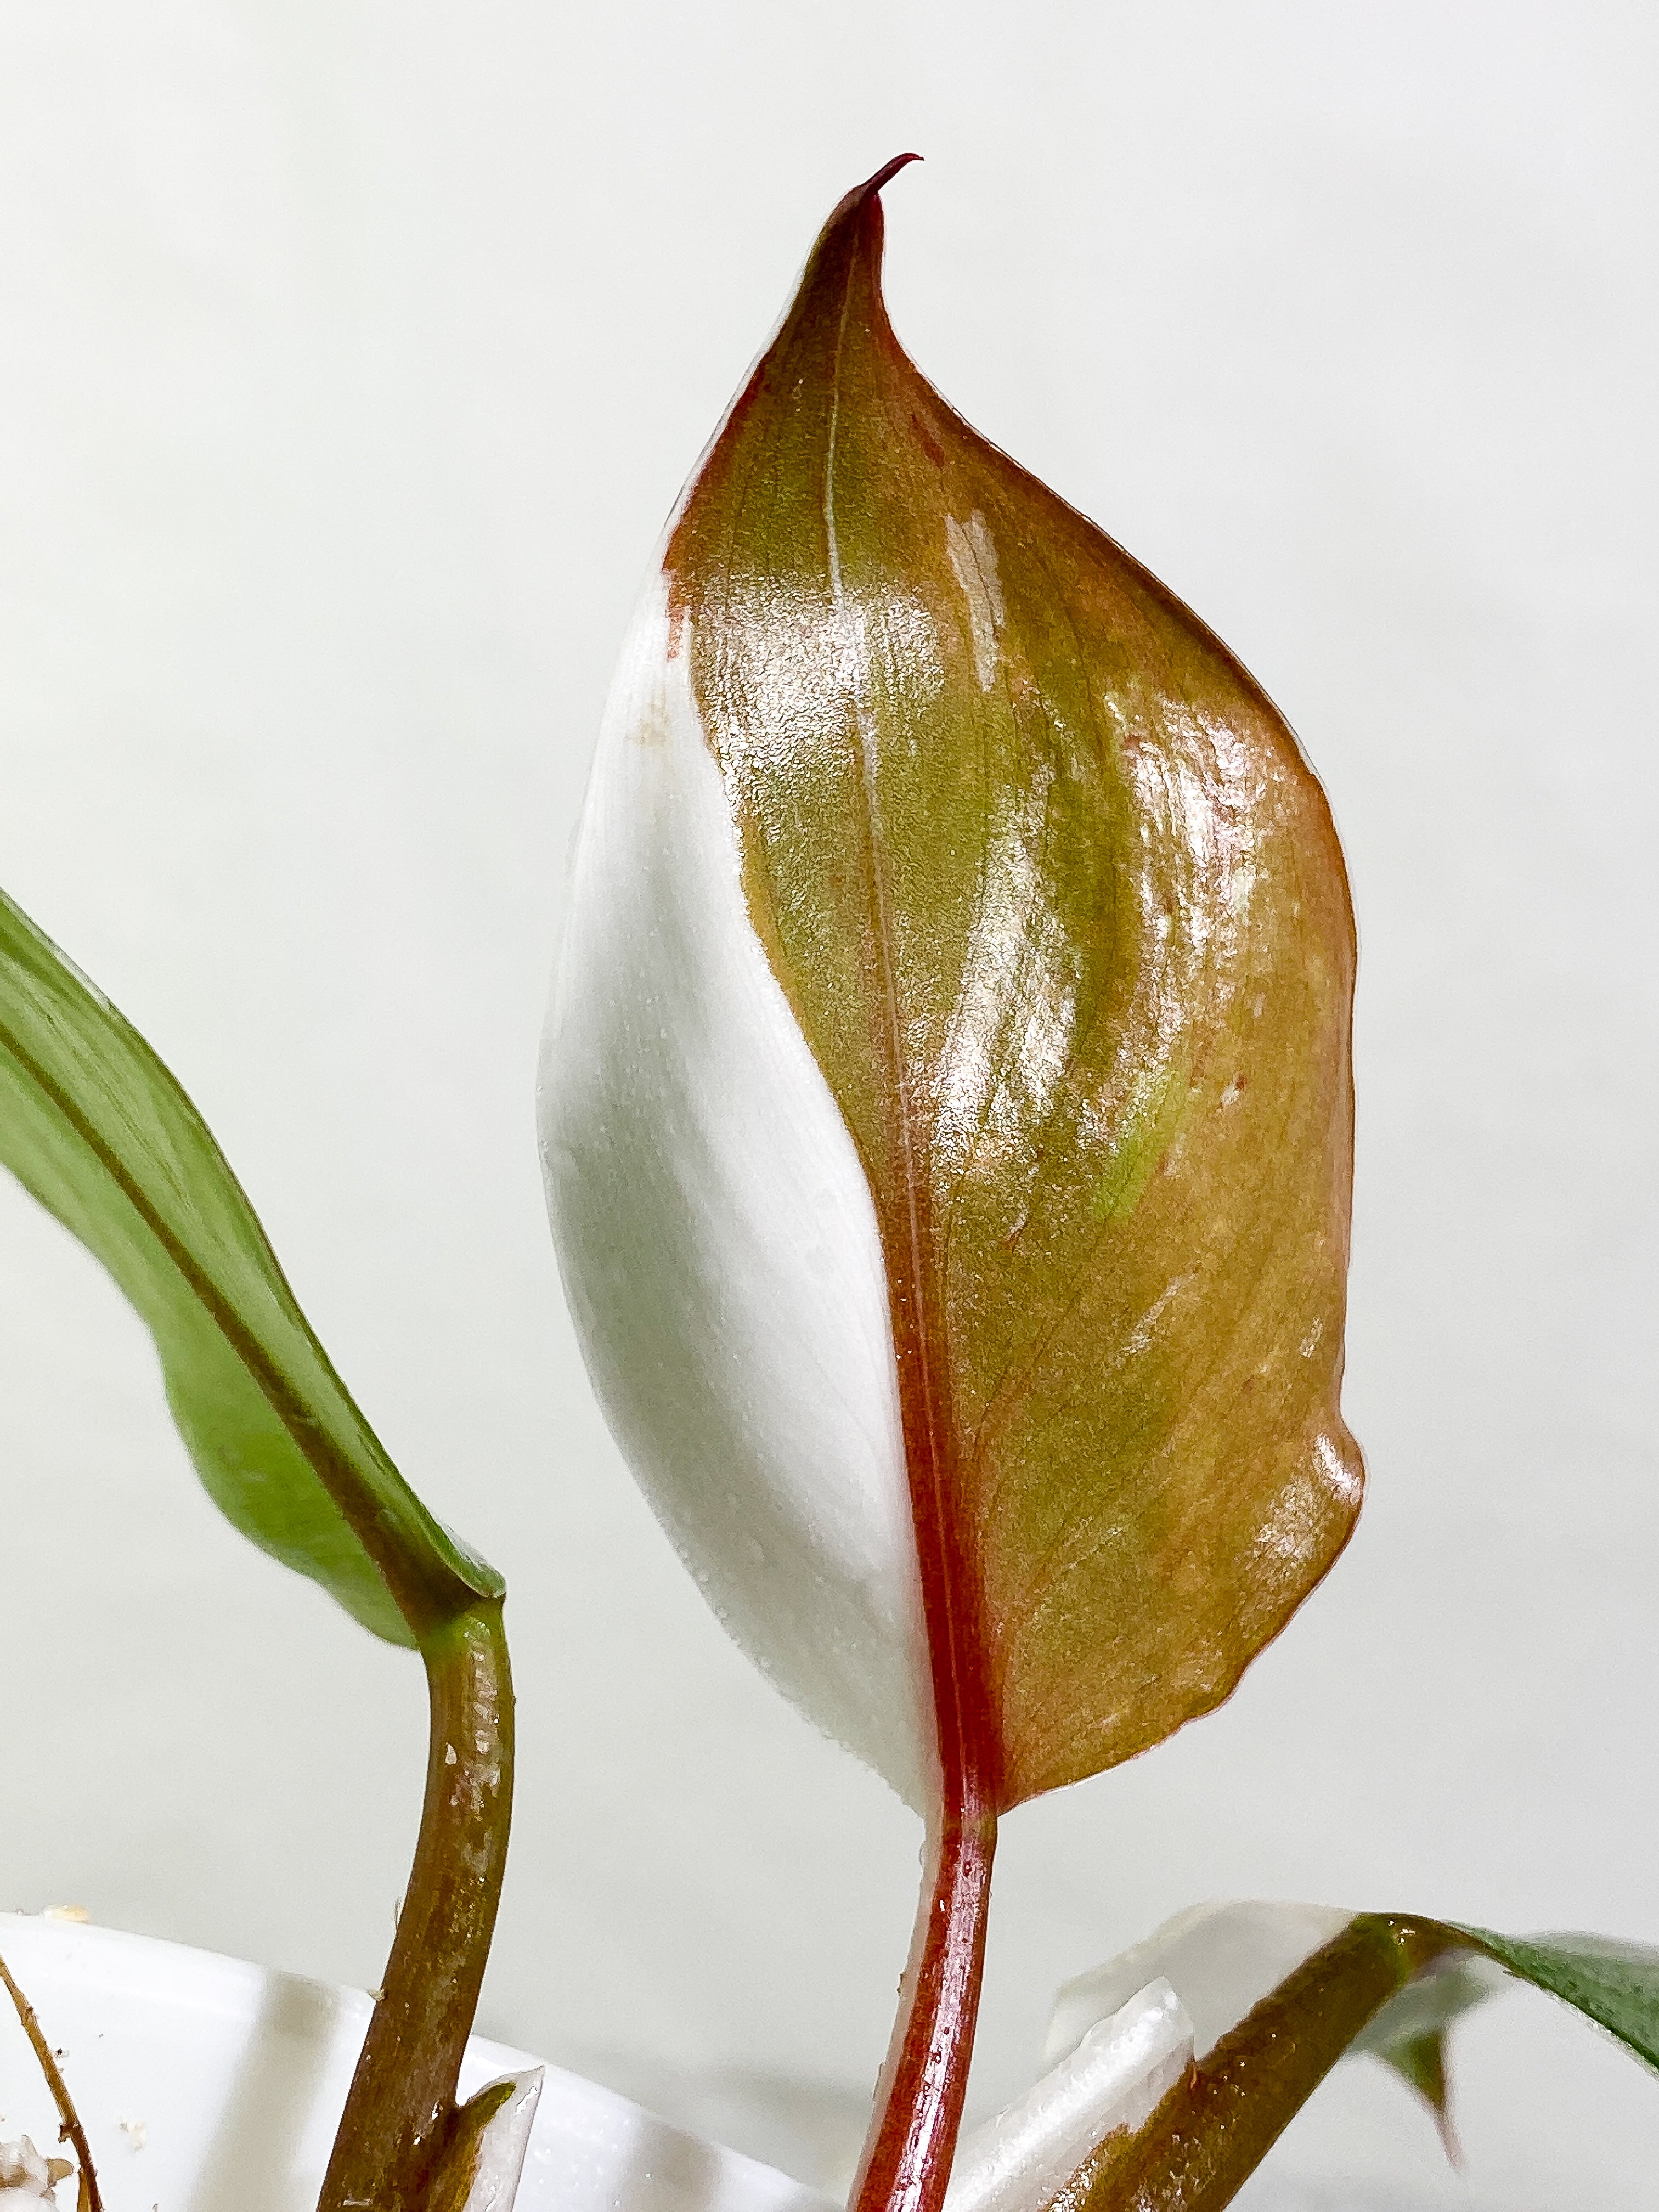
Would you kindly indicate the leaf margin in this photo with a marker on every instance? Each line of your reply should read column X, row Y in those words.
column 110, row 1179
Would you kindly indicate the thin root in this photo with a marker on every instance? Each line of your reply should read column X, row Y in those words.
column 70, row 2129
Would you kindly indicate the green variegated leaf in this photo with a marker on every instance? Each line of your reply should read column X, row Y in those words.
column 94, row 1124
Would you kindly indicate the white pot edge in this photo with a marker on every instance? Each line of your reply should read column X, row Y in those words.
column 207, row 2084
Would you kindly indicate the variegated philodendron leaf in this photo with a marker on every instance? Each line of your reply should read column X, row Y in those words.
column 945, row 1097
column 1271, row 1997
column 94, row 1126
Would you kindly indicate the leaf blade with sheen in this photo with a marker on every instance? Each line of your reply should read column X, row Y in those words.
column 1058, row 908
column 96, row 1128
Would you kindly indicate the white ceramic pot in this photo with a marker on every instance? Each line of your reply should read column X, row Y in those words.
column 207, row 2084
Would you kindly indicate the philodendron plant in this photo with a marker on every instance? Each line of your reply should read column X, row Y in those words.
column 946, row 1112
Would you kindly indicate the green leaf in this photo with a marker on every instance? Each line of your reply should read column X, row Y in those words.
column 1616, row 1985
column 1409, row 2034
column 1420, row 2062
column 97, row 1129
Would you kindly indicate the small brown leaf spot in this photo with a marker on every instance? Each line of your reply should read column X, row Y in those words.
column 650, row 727
column 1235, row 1091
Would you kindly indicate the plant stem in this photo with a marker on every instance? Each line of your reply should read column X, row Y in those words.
column 1215, row 2125
column 907, row 2159
column 69, row 2129
column 400, row 2114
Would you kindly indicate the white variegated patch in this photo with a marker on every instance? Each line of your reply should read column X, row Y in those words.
column 1121, row 2036
column 1221, row 1960
column 1115, row 2077
column 718, row 1240
column 505, row 2140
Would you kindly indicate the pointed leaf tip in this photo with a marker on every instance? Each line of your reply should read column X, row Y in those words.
column 884, row 175
column 1420, row 2062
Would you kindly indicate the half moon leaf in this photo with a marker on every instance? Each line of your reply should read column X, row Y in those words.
column 97, row 1129
column 1057, row 961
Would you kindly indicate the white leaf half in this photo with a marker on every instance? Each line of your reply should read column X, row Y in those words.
column 505, row 2140
column 1115, row 2078
column 1221, row 1960
column 718, row 1240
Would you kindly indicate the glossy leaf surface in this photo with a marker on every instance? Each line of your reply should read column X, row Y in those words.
column 96, row 1128
column 1057, row 905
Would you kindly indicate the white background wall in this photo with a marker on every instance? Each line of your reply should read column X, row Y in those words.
column 352, row 357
